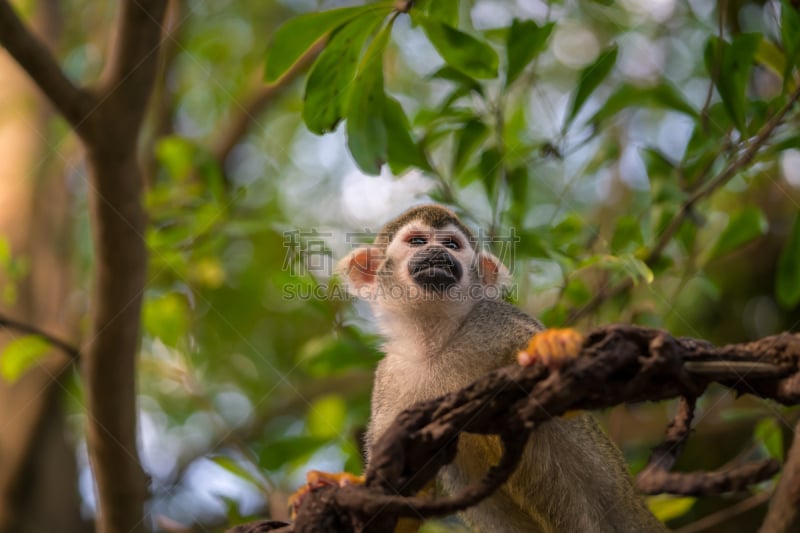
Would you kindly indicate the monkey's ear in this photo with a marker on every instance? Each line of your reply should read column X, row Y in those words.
column 359, row 270
column 493, row 272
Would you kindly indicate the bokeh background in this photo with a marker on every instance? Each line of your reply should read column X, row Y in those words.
column 254, row 368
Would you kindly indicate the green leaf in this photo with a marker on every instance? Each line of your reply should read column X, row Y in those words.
column 278, row 453
column 210, row 172
column 231, row 505
column 590, row 78
column 742, row 228
column 627, row 234
column 790, row 35
column 238, row 470
column 769, row 434
column 183, row 159
column 166, row 317
column 461, row 51
column 489, row 168
column 176, row 155
column 669, row 97
column 730, row 65
column 366, row 131
column 518, row 181
column 458, row 77
column 658, row 165
column 298, row 34
column 526, row 40
column 667, row 507
column 771, row 57
column 442, row 10
column 468, row 138
column 570, row 229
column 663, row 95
column 327, row 416
column 555, row 316
column 577, row 293
column 5, row 253
column 788, row 143
column 20, row 354
column 328, row 354
column 787, row 283
column 628, row 264
column 331, row 77
column 403, row 152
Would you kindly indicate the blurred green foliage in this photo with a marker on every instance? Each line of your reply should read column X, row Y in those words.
column 645, row 157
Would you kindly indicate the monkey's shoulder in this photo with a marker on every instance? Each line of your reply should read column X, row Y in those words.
column 492, row 334
column 488, row 337
column 501, row 319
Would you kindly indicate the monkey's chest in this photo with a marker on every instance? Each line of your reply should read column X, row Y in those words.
column 433, row 377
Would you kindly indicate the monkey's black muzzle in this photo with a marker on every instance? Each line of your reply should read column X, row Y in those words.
column 434, row 269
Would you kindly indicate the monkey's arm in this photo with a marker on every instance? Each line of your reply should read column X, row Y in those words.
column 590, row 473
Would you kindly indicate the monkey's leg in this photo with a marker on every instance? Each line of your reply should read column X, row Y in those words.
column 552, row 347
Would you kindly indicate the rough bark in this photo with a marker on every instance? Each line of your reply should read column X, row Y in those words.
column 782, row 514
column 618, row 364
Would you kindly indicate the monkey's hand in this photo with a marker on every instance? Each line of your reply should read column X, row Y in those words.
column 317, row 480
column 552, row 347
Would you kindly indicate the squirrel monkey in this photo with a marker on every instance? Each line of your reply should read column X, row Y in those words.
column 438, row 301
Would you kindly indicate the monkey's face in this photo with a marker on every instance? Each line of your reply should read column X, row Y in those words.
column 424, row 267
column 432, row 257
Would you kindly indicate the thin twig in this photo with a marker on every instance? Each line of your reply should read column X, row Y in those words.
column 664, row 456
column 33, row 56
column 64, row 346
column 722, row 178
column 722, row 516
column 721, row 11
column 782, row 515
column 249, row 112
column 686, row 208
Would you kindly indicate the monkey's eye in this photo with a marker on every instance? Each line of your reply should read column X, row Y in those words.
column 453, row 245
column 416, row 240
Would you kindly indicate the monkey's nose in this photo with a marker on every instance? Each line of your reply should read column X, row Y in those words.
column 435, row 269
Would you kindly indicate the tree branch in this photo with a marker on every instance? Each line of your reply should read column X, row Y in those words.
column 33, row 56
column 656, row 478
column 133, row 65
column 782, row 515
column 730, row 171
column 723, row 515
column 732, row 479
column 64, row 346
column 664, row 456
column 240, row 124
column 618, row 364
column 118, row 227
column 108, row 121
column 733, row 168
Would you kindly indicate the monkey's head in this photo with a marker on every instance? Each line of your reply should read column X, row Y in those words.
column 424, row 257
